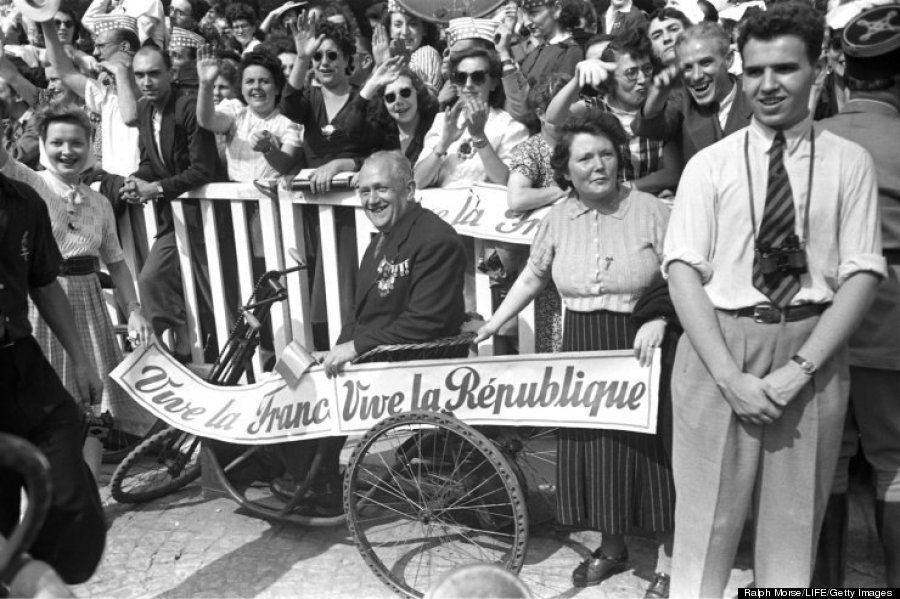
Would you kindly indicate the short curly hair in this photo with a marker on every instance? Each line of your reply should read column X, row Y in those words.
column 789, row 18
column 260, row 57
column 62, row 112
column 540, row 94
column 601, row 125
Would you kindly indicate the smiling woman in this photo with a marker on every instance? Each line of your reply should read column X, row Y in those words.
column 84, row 228
column 261, row 143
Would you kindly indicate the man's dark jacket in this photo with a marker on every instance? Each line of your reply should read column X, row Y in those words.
column 189, row 156
column 412, row 291
column 694, row 125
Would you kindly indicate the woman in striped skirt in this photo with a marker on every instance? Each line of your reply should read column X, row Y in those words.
column 84, row 228
column 602, row 247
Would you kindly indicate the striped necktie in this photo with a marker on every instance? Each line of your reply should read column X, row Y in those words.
column 777, row 225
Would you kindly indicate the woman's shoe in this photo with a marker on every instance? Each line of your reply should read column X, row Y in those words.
column 659, row 588
column 598, row 568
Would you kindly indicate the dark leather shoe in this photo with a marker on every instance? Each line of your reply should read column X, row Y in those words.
column 659, row 587
column 598, row 568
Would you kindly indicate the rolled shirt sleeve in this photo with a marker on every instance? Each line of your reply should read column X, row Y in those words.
column 692, row 224
column 860, row 224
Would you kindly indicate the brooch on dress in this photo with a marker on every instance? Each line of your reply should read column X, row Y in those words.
column 388, row 273
column 466, row 149
column 328, row 130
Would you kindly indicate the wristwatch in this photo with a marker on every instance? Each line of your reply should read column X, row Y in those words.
column 160, row 192
column 479, row 142
column 805, row 365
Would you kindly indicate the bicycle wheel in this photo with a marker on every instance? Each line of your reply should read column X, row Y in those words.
column 532, row 452
column 163, row 463
column 117, row 443
column 425, row 493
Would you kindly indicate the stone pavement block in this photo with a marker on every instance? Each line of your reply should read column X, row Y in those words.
column 185, row 545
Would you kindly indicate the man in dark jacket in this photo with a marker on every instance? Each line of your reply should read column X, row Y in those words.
column 177, row 155
column 708, row 106
column 410, row 283
column 409, row 289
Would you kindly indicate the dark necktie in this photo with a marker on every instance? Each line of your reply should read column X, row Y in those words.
column 717, row 124
column 777, row 224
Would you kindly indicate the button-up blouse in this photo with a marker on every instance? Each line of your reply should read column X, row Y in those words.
column 601, row 261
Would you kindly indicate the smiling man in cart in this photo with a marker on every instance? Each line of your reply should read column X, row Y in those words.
column 409, row 290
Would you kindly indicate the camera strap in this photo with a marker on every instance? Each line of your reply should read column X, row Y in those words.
column 812, row 161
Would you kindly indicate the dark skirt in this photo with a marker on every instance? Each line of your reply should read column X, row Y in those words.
column 615, row 482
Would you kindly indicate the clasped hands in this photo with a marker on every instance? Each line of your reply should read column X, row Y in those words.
column 758, row 400
column 138, row 191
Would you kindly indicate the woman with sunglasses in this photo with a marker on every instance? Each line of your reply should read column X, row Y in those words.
column 406, row 110
column 409, row 36
column 332, row 113
column 650, row 165
column 473, row 140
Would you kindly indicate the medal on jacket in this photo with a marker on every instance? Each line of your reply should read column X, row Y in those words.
column 388, row 273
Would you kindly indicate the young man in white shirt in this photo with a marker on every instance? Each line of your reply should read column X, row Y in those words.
column 773, row 255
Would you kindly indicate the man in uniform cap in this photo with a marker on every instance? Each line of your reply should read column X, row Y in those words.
column 871, row 118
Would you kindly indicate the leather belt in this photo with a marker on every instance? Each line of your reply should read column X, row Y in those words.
column 892, row 256
column 772, row 314
column 79, row 265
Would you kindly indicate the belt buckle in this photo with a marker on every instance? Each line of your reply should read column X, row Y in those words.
column 767, row 313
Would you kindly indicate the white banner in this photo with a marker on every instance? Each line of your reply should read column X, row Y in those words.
column 481, row 211
column 608, row 390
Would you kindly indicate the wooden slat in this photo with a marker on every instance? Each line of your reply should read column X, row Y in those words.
column 298, row 285
column 244, row 264
column 216, row 277
column 483, row 298
column 275, row 260
column 329, row 251
column 187, row 278
column 364, row 232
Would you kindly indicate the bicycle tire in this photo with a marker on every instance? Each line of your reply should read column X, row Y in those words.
column 425, row 493
column 118, row 444
column 163, row 463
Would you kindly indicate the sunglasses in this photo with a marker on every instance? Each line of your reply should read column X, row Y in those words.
column 331, row 54
column 61, row 23
column 391, row 97
column 460, row 78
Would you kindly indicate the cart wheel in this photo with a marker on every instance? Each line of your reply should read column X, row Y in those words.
column 425, row 493
column 164, row 463
column 532, row 451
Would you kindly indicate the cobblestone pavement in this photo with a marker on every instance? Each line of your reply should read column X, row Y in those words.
column 186, row 545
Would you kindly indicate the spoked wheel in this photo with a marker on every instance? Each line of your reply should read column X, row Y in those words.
column 118, row 443
column 425, row 493
column 532, row 451
column 165, row 462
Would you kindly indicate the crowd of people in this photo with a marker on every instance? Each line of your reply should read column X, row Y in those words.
column 723, row 180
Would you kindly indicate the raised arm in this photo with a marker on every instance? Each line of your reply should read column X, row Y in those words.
column 589, row 72
column 207, row 115
column 65, row 67
column 17, row 171
column 22, row 86
column 306, row 42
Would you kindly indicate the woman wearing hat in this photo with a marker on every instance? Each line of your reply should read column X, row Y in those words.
column 409, row 35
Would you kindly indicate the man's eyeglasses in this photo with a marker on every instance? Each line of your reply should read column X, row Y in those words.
column 460, row 78
column 391, row 97
column 332, row 55
column 632, row 74
column 64, row 23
